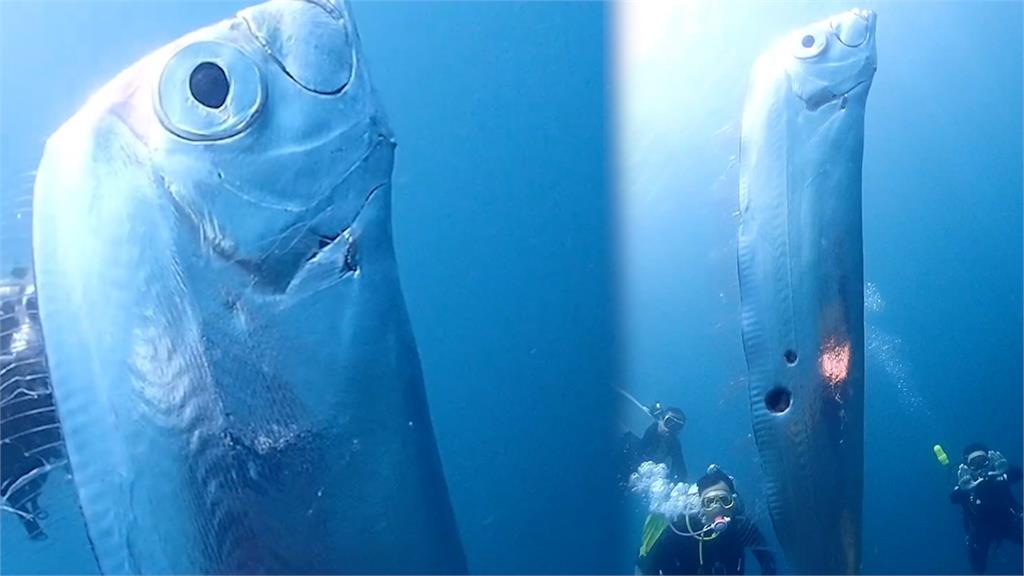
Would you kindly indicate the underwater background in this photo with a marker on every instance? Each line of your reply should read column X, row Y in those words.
column 555, row 159
column 942, row 217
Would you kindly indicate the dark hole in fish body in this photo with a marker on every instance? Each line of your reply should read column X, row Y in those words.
column 807, row 41
column 778, row 399
column 209, row 85
column 790, row 356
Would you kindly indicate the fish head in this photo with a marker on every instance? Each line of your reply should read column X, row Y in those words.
column 263, row 131
column 827, row 60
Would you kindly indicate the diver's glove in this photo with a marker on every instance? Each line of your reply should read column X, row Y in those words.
column 966, row 478
column 655, row 410
column 995, row 475
column 997, row 464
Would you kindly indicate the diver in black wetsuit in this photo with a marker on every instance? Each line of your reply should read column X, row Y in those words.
column 659, row 444
column 711, row 541
column 991, row 513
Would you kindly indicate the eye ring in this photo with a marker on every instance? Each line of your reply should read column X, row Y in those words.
column 209, row 91
column 809, row 44
column 851, row 29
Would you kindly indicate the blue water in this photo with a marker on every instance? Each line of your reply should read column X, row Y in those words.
column 505, row 203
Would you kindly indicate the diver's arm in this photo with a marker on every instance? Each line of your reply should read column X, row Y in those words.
column 957, row 496
column 650, row 436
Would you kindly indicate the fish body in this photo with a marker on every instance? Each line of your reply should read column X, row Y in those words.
column 801, row 272
column 233, row 363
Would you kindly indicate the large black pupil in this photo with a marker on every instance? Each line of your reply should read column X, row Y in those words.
column 808, row 41
column 209, row 85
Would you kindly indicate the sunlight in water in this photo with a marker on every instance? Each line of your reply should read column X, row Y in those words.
column 648, row 28
column 834, row 363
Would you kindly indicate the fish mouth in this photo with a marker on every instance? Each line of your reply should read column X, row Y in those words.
column 275, row 246
column 328, row 244
column 816, row 101
column 315, row 248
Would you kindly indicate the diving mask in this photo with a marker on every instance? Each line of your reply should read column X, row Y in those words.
column 673, row 422
column 716, row 500
column 978, row 461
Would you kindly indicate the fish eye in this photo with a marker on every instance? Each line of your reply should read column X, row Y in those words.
column 209, row 84
column 809, row 45
column 209, row 91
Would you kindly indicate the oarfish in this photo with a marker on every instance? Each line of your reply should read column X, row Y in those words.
column 231, row 356
column 800, row 262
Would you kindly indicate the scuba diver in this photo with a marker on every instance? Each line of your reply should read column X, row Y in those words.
column 660, row 443
column 709, row 541
column 991, row 513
